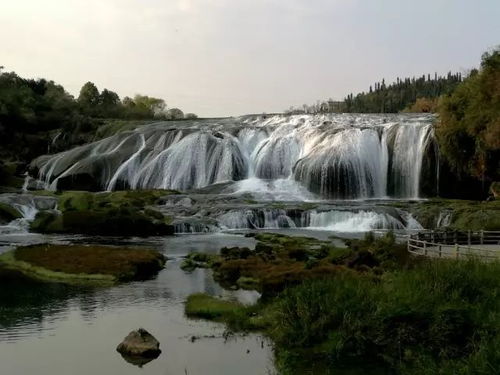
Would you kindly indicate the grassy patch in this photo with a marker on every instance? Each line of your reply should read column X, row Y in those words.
column 235, row 315
column 202, row 305
column 73, row 263
column 441, row 314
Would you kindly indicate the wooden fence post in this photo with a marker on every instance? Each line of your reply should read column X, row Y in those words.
column 468, row 238
column 440, row 251
column 425, row 248
column 481, row 237
column 456, row 250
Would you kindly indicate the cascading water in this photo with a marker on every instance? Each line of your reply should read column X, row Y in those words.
column 340, row 156
column 332, row 220
column 27, row 206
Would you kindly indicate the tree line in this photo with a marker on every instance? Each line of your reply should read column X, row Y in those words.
column 32, row 110
column 406, row 94
column 40, row 104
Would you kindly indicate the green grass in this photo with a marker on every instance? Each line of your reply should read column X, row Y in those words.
column 207, row 307
column 441, row 314
column 236, row 316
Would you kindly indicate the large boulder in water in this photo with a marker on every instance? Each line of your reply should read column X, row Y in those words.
column 139, row 343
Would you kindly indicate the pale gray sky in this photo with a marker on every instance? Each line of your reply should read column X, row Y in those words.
column 230, row 57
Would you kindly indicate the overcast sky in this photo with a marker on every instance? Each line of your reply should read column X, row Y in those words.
column 231, row 57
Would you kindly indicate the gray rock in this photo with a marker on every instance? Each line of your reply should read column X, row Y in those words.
column 139, row 343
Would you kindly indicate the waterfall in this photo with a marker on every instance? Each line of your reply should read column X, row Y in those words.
column 27, row 206
column 408, row 148
column 334, row 156
column 330, row 220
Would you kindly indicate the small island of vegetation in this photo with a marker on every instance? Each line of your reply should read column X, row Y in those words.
column 83, row 264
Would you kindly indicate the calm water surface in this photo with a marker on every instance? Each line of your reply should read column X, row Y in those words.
column 49, row 329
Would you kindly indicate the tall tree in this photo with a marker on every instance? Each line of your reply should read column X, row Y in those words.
column 89, row 98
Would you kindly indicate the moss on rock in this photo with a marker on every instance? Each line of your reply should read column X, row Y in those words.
column 110, row 213
column 8, row 213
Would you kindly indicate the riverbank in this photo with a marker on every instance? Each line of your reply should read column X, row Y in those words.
column 78, row 264
column 409, row 316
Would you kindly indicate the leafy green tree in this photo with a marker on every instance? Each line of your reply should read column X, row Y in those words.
column 469, row 126
column 109, row 104
column 175, row 114
column 89, row 98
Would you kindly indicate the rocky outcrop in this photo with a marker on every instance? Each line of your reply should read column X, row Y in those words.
column 141, row 344
column 117, row 213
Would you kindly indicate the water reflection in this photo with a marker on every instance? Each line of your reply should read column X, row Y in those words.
column 56, row 329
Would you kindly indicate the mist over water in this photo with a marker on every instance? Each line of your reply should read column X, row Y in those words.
column 334, row 156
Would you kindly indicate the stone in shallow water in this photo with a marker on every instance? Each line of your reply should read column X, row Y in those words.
column 139, row 347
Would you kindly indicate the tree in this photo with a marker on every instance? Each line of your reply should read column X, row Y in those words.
column 109, row 104
column 89, row 98
column 175, row 114
column 154, row 107
column 469, row 126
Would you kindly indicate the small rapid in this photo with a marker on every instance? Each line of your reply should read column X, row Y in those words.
column 26, row 206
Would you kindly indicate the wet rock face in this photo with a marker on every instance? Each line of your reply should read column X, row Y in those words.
column 139, row 344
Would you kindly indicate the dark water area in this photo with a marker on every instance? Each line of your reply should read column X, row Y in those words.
column 58, row 329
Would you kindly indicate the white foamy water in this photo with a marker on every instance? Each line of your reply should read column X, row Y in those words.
column 343, row 156
column 27, row 206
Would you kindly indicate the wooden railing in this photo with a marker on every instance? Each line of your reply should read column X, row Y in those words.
column 446, row 244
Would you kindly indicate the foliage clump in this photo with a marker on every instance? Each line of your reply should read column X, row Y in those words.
column 469, row 123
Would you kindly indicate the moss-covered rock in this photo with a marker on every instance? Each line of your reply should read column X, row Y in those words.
column 47, row 222
column 111, row 213
column 8, row 213
column 461, row 214
column 113, row 222
column 198, row 260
